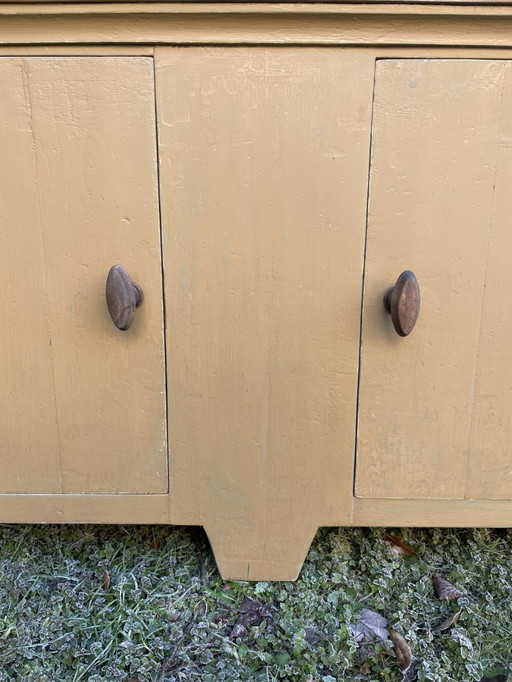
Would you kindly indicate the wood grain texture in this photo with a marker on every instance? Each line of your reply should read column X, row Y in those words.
column 92, row 508
column 273, row 24
column 489, row 472
column 76, row 50
column 123, row 297
column 264, row 161
column 29, row 451
column 429, row 513
column 314, row 3
column 85, row 198
column 436, row 134
column 402, row 301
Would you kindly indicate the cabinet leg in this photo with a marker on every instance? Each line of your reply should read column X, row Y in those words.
column 272, row 553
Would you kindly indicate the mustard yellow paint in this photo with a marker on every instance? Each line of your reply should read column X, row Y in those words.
column 264, row 174
column 261, row 155
column 83, row 404
column 434, row 407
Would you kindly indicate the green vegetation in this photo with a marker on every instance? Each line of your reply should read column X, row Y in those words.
column 106, row 603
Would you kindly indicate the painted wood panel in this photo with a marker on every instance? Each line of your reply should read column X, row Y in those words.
column 490, row 457
column 336, row 24
column 84, row 409
column 264, row 162
column 434, row 407
column 29, row 452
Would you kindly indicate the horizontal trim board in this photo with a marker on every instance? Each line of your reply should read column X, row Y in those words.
column 383, row 52
column 138, row 509
column 432, row 513
column 52, row 50
column 266, row 29
column 84, row 509
column 247, row 8
column 266, row 2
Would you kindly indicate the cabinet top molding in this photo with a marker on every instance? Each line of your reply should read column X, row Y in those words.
column 198, row 23
column 267, row 2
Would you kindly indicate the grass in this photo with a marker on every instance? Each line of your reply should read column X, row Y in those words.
column 107, row 603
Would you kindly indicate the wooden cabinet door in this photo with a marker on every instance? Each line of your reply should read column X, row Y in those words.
column 435, row 418
column 82, row 404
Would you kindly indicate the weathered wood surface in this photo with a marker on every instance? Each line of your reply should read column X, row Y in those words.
column 304, row 406
column 264, row 162
column 269, row 2
column 83, row 405
column 257, row 23
column 429, row 513
column 435, row 407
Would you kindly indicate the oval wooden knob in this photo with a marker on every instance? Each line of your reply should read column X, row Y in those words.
column 123, row 297
column 403, row 302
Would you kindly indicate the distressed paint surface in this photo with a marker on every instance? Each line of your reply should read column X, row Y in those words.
column 489, row 473
column 29, row 449
column 264, row 161
column 440, row 177
column 356, row 24
column 30, row 460
column 83, row 404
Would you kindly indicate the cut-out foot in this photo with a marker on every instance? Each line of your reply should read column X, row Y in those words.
column 271, row 553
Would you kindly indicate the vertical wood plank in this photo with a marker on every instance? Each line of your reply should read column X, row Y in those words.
column 264, row 159
column 29, row 451
column 490, row 456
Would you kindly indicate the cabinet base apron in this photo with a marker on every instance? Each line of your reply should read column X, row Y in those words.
column 262, row 564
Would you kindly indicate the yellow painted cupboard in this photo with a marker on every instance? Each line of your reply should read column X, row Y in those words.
column 263, row 173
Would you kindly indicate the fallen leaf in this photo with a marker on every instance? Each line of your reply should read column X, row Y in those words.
column 250, row 604
column 156, row 542
column 252, row 612
column 106, row 580
column 451, row 620
column 402, row 650
column 371, row 624
column 444, row 589
column 398, row 546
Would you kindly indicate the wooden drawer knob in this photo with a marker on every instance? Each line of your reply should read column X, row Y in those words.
column 123, row 297
column 403, row 302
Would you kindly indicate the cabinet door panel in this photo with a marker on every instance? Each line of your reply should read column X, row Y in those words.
column 435, row 407
column 85, row 406
column 264, row 170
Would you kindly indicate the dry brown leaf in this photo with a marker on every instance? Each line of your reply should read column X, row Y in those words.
column 252, row 612
column 398, row 545
column 371, row 624
column 156, row 542
column 106, row 580
column 451, row 620
column 402, row 650
column 444, row 589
